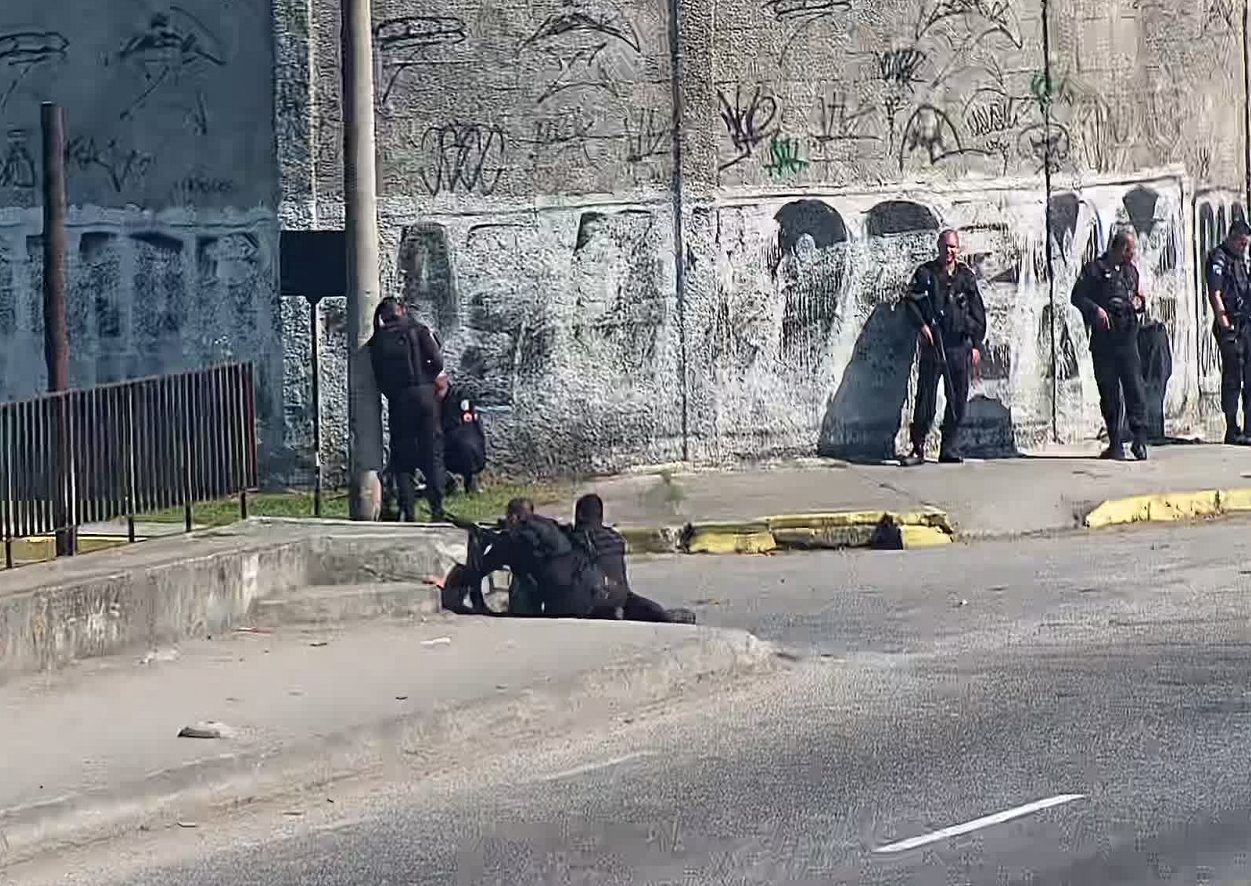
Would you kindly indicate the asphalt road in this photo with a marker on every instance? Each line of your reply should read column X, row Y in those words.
column 933, row 689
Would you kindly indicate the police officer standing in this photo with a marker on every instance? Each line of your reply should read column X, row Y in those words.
column 406, row 361
column 945, row 302
column 1109, row 296
column 1229, row 292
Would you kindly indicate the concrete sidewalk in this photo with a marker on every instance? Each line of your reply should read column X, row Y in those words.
column 1036, row 492
column 94, row 748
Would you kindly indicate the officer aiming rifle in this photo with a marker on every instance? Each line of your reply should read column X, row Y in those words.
column 459, row 580
column 523, row 591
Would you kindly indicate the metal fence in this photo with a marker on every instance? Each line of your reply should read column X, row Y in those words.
column 126, row 449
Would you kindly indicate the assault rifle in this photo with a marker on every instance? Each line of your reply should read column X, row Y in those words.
column 931, row 318
column 481, row 538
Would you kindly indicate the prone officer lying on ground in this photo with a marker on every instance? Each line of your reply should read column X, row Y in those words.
column 541, row 554
column 610, row 555
column 558, row 571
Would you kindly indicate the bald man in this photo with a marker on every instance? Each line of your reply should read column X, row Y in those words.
column 946, row 305
column 1109, row 294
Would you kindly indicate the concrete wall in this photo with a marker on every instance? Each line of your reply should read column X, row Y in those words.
column 528, row 185
column 616, row 294
column 173, row 186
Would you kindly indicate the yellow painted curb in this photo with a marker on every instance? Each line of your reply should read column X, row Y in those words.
column 1169, row 507
column 924, row 528
column 651, row 539
column 830, row 537
column 728, row 538
column 916, row 537
column 1236, row 500
column 855, row 529
column 817, row 521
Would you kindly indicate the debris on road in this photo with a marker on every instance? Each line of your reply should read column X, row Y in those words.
column 437, row 641
column 160, row 655
column 207, row 729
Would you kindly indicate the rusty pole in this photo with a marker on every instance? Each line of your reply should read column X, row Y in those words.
column 55, row 334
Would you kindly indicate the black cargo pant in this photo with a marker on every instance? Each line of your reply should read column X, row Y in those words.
column 929, row 378
column 1118, row 373
column 417, row 445
column 1235, row 346
column 639, row 608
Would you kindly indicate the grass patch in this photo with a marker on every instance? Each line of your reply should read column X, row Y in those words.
column 486, row 506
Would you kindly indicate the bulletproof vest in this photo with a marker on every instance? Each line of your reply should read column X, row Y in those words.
column 563, row 566
column 609, row 550
column 1114, row 291
column 951, row 299
column 543, row 540
column 396, row 362
column 1235, row 282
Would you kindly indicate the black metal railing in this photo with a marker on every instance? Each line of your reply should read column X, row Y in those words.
column 126, row 449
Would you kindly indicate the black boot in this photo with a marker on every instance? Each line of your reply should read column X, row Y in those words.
column 1234, row 435
column 950, row 456
column 914, row 458
column 1114, row 452
column 681, row 616
column 1139, row 449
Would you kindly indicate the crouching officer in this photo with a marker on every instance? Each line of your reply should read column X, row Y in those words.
column 1109, row 296
column 464, row 442
column 945, row 303
column 1229, row 292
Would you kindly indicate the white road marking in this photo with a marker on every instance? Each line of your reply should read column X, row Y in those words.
column 978, row 823
column 592, row 767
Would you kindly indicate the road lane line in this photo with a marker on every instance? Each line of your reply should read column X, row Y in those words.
column 978, row 823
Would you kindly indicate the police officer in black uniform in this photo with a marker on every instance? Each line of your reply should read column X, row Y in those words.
column 609, row 548
column 1109, row 296
column 406, row 360
column 945, row 302
column 568, row 581
column 1229, row 292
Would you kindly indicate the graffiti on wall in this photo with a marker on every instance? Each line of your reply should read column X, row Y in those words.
column 803, row 346
column 156, row 121
column 408, row 42
column 1215, row 211
column 575, row 332
column 23, row 52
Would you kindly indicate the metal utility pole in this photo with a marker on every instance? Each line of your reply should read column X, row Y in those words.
column 361, row 229
column 314, row 326
column 55, row 334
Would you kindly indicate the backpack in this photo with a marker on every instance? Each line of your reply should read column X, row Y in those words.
column 394, row 352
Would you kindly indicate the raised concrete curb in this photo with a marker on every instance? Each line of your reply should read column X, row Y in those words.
column 1170, row 507
column 333, row 604
column 697, row 655
column 802, row 532
column 158, row 593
